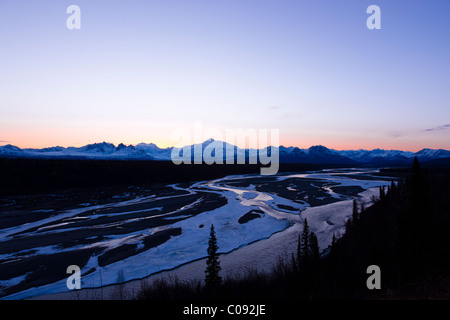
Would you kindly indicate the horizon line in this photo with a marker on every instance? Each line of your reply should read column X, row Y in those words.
column 291, row 146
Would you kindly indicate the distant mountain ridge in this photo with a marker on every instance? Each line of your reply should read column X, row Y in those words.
column 150, row 151
column 102, row 150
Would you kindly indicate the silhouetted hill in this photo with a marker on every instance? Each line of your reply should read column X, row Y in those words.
column 437, row 162
column 31, row 175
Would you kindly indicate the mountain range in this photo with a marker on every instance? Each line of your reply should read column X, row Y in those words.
column 150, row 151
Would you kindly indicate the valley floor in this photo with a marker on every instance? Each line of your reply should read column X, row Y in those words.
column 127, row 240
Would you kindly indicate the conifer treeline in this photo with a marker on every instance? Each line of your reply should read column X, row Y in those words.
column 406, row 232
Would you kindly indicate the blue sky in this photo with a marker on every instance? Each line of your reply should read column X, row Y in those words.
column 139, row 70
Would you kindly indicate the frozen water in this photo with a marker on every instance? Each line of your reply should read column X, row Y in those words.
column 240, row 244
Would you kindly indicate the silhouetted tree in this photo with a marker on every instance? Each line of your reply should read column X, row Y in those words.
column 416, row 166
column 297, row 261
column 313, row 249
column 308, row 247
column 363, row 209
column 348, row 224
column 393, row 188
column 333, row 240
column 303, row 246
column 355, row 213
column 212, row 278
column 382, row 194
column 307, row 259
column 415, row 225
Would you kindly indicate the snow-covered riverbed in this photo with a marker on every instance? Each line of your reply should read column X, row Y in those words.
column 262, row 239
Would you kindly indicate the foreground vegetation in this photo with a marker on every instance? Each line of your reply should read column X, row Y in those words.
column 405, row 232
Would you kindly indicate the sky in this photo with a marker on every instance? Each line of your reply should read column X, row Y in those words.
column 137, row 71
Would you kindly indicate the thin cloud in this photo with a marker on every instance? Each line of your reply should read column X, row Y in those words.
column 415, row 133
column 279, row 111
column 395, row 134
column 291, row 115
column 444, row 127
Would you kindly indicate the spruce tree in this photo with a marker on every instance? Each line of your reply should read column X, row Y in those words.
column 333, row 244
column 363, row 209
column 308, row 258
column 415, row 225
column 382, row 193
column 304, row 245
column 212, row 278
column 313, row 249
column 392, row 189
column 355, row 213
column 416, row 166
column 299, row 252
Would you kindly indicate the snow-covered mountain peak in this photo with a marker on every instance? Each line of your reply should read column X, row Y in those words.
column 145, row 151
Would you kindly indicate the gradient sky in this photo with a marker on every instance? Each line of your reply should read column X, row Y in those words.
column 139, row 70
